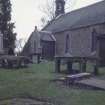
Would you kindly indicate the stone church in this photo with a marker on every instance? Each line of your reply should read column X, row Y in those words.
column 78, row 33
column 40, row 43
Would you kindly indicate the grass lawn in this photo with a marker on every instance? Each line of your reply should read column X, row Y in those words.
column 35, row 81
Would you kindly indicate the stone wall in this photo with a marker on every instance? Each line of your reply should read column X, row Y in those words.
column 80, row 41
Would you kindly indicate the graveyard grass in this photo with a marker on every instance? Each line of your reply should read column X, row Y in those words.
column 35, row 81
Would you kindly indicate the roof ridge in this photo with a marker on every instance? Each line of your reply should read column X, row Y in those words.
column 79, row 9
column 71, row 18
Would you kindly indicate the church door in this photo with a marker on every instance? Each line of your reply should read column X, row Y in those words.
column 101, row 49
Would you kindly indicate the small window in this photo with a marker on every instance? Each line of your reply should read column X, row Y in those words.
column 67, row 44
column 59, row 6
column 93, row 46
column 34, row 46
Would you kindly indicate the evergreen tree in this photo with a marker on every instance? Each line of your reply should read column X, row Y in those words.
column 6, row 26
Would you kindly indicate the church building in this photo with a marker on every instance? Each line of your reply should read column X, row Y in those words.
column 78, row 33
column 40, row 44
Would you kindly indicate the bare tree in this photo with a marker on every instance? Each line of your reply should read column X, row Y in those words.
column 70, row 5
column 49, row 10
column 19, row 45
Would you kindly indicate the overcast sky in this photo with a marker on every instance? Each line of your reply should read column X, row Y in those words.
column 26, row 14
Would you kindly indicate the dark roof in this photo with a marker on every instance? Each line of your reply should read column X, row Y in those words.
column 44, row 35
column 90, row 15
column 47, row 36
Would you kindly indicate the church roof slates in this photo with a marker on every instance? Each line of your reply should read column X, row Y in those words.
column 47, row 36
column 90, row 15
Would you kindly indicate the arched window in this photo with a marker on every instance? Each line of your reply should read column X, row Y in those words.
column 94, row 41
column 67, row 44
column 34, row 46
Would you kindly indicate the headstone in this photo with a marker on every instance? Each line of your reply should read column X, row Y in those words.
column 34, row 58
column 57, row 65
column 68, row 55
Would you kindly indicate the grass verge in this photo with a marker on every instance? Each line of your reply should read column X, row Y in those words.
column 35, row 82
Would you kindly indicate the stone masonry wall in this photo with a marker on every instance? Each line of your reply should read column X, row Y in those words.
column 80, row 41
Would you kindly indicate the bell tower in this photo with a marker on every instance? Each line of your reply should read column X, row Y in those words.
column 60, row 7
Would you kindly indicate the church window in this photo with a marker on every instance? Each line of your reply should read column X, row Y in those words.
column 67, row 44
column 93, row 46
column 34, row 46
column 59, row 6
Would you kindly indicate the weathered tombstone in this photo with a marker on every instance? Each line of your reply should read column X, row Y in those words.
column 57, row 65
column 10, row 53
column 83, row 66
column 69, row 63
column 69, row 67
column 36, row 58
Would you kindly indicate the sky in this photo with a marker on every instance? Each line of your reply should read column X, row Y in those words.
column 26, row 14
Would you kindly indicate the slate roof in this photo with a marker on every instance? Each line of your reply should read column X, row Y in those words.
column 47, row 36
column 90, row 15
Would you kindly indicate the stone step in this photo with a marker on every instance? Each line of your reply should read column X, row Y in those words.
column 78, row 76
column 93, row 82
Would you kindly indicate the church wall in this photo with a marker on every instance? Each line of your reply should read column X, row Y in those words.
column 60, row 43
column 80, row 40
column 34, row 43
